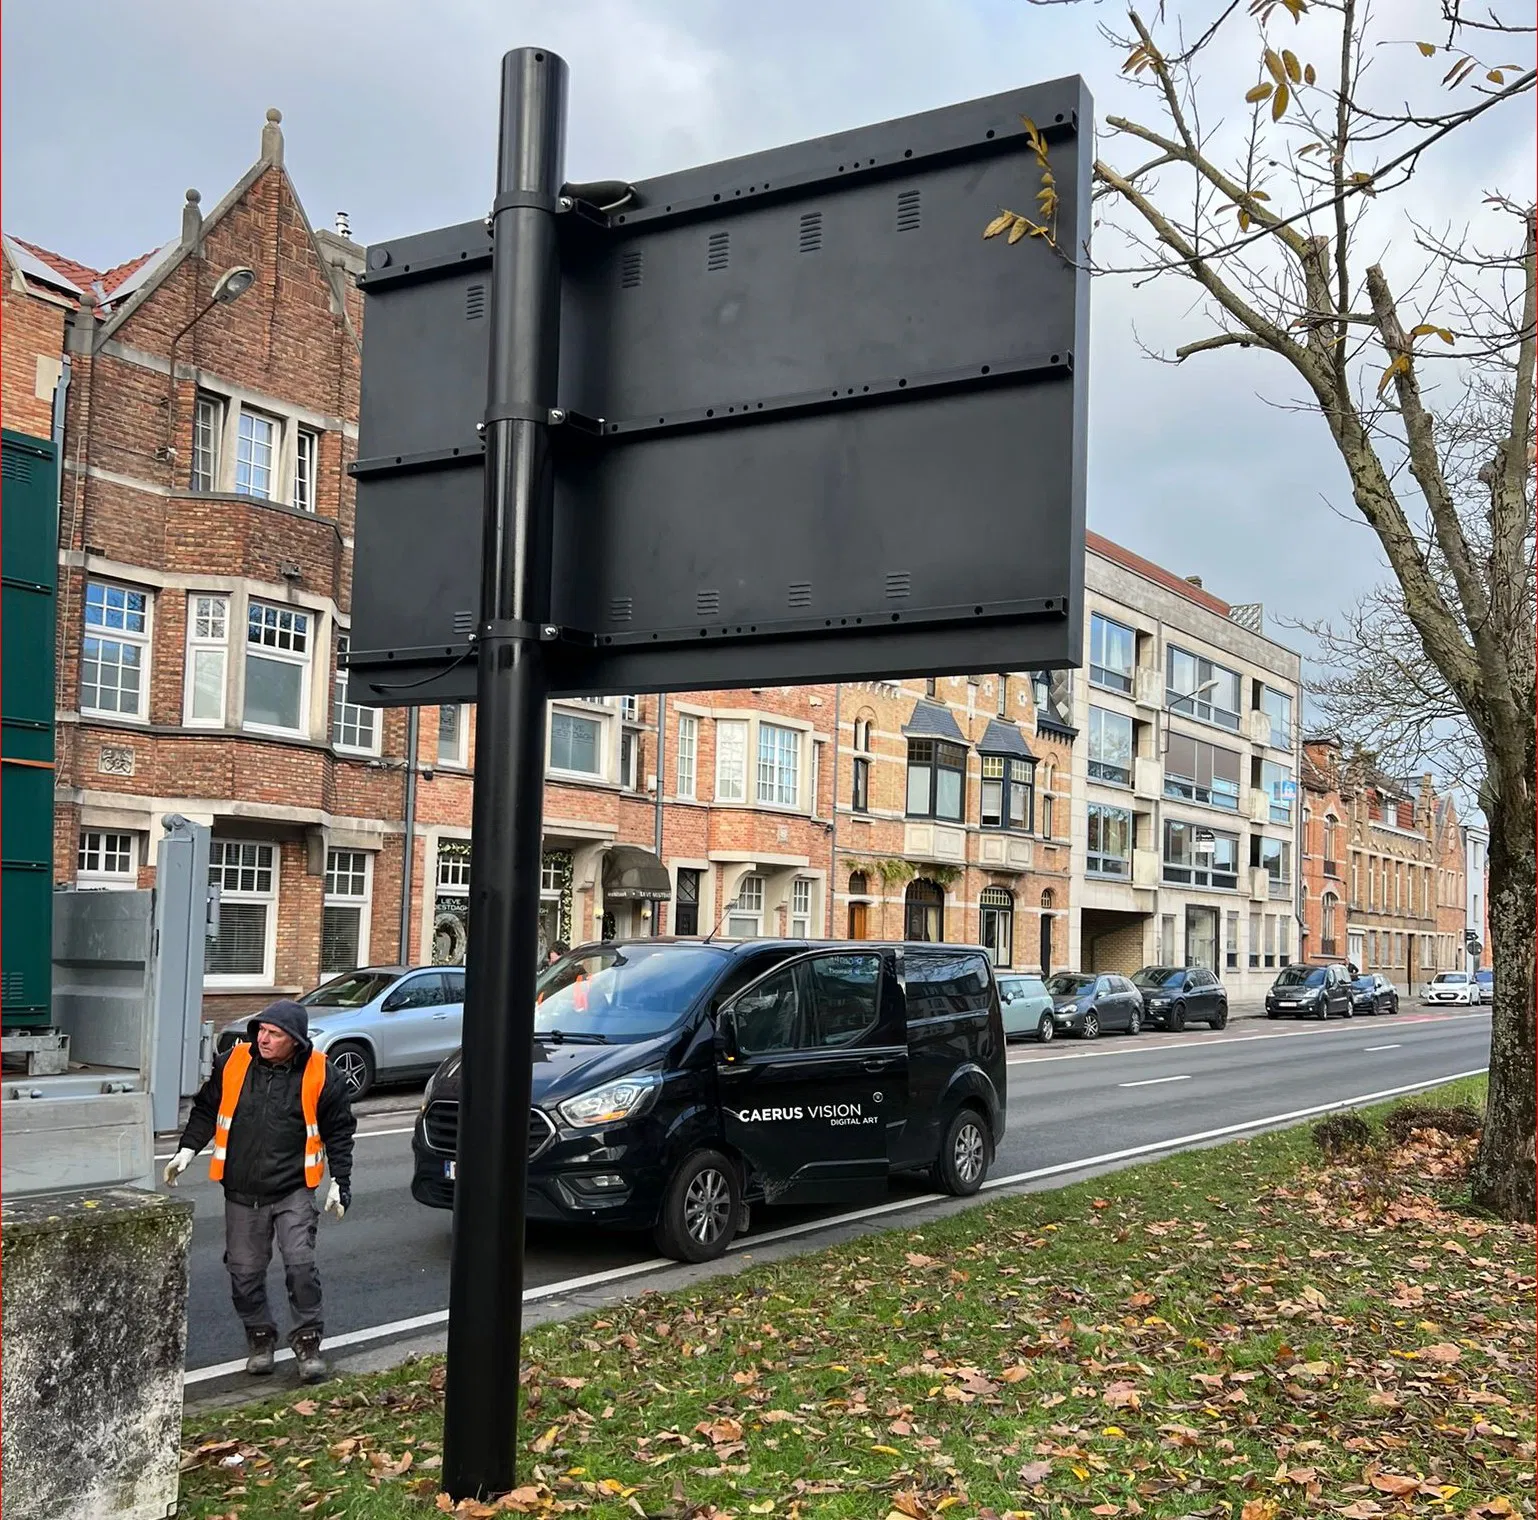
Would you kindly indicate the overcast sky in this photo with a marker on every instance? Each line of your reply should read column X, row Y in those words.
column 389, row 113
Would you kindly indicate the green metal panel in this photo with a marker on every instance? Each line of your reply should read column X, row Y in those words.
column 29, row 577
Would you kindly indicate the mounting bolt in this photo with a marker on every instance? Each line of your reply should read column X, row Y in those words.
column 557, row 416
column 566, row 203
column 480, row 427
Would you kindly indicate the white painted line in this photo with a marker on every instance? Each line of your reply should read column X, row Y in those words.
column 362, row 1134
column 1218, row 1042
column 636, row 1269
column 1153, row 1081
column 1368, row 1049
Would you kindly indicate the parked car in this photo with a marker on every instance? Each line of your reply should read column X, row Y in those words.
column 1027, row 1006
column 1173, row 995
column 1374, row 994
column 383, row 1023
column 1088, row 1003
column 1453, row 987
column 1302, row 990
column 676, row 1082
column 1486, row 979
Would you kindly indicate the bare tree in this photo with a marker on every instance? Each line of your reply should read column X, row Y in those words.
column 1274, row 182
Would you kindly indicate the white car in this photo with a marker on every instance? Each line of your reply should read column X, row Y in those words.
column 1452, row 987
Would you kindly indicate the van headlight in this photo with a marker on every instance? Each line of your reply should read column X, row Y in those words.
column 625, row 1098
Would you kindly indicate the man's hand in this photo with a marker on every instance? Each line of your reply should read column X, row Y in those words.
column 338, row 1198
column 177, row 1165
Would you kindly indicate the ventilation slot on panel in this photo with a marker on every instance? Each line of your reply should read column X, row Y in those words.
column 811, row 232
column 630, row 269
column 17, row 466
column 707, row 604
column 800, row 594
column 475, row 302
column 621, row 609
column 908, row 211
column 718, row 252
column 464, row 621
column 898, row 584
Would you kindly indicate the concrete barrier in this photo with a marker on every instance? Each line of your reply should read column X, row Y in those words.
column 94, row 1324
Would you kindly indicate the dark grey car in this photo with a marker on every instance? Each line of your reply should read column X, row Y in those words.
column 1089, row 1004
column 1175, row 995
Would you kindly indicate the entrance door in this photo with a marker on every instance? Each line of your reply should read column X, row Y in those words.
column 818, row 1075
column 1202, row 938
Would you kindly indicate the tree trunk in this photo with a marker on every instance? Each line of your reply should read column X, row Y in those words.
column 1504, row 1178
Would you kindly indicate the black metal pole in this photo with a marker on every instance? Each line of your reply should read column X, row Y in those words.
column 480, row 1422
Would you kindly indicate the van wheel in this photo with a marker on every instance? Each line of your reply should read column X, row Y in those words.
column 355, row 1066
column 1046, row 1029
column 963, row 1160
column 700, row 1209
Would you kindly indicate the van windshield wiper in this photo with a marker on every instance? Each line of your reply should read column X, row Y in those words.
column 568, row 1037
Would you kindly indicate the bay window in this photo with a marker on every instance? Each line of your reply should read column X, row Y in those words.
column 1110, row 747
column 779, row 765
column 936, row 780
column 115, row 653
column 731, row 760
column 1108, row 841
column 208, row 635
column 688, row 752
column 1008, row 793
column 353, row 727
column 256, row 452
column 277, row 668
column 1112, row 653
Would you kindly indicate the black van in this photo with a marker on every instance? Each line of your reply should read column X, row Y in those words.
column 678, row 1081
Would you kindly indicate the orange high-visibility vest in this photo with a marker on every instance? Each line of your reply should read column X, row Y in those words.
column 309, row 1100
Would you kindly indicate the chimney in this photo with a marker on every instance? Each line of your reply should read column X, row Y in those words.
column 343, row 225
column 1195, row 580
column 192, row 220
column 272, row 138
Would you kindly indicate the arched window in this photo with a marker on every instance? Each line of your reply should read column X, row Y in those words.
column 859, row 910
column 1331, row 825
column 1327, row 915
column 1048, row 805
column 1048, row 901
column 864, row 732
column 997, row 908
column 924, row 911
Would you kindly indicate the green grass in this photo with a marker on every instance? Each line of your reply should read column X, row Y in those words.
column 1243, row 1333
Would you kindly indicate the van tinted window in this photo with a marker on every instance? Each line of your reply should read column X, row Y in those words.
column 945, row 984
column 843, row 997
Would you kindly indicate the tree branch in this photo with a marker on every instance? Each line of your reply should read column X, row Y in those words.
column 1218, row 340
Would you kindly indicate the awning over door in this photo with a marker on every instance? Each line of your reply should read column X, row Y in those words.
column 631, row 874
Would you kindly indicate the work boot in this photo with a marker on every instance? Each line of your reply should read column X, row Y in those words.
column 260, row 1344
column 312, row 1365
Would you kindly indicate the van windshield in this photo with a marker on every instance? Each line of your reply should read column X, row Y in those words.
column 1301, row 976
column 622, row 993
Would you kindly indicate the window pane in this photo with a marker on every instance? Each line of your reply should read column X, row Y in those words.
column 948, row 785
column 768, row 1017
column 449, row 719
column 1110, row 746
column 919, row 781
column 273, row 692
column 207, row 685
column 241, row 948
column 688, row 740
column 254, row 456
column 843, row 991
column 574, row 744
column 731, row 760
column 339, row 939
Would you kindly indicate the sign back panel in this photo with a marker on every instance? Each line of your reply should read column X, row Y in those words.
column 814, row 426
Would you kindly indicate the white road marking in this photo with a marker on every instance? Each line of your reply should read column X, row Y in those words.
column 1205, row 1043
column 1153, row 1081
column 362, row 1134
column 1368, row 1049
column 636, row 1269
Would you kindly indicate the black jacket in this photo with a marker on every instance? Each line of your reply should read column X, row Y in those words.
column 265, row 1154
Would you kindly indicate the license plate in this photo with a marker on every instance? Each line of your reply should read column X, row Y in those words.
column 448, row 1171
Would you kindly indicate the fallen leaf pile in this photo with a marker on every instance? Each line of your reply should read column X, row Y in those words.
column 1251, row 1333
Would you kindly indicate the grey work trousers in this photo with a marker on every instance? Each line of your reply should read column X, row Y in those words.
column 248, row 1235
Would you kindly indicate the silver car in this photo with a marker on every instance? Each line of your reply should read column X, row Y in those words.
column 1027, row 1006
column 383, row 1023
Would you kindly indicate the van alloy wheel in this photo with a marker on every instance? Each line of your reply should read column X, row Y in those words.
column 708, row 1206
column 968, row 1152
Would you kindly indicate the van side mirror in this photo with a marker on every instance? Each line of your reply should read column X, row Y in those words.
column 726, row 1034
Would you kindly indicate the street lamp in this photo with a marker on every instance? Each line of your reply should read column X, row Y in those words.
column 228, row 288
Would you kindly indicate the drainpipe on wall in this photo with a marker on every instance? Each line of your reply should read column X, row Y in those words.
column 408, row 859
column 838, row 697
column 60, row 404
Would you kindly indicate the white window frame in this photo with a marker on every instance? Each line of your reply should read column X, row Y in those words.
column 630, row 760
column 458, row 756
column 451, row 872
column 345, row 714
column 729, row 787
column 207, row 610
column 686, row 763
column 218, row 870
column 358, row 864
column 125, row 637
column 304, row 659
column 306, row 469
column 745, row 917
column 801, row 908
column 600, row 748
column 208, row 419
column 246, row 453
column 777, row 768
column 120, row 847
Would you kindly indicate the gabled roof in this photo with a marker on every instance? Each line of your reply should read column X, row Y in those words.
column 1001, row 738
column 932, row 721
column 1097, row 544
column 63, row 274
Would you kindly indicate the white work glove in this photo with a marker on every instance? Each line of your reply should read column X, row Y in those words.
column 334, row 1202
column 177, row 1165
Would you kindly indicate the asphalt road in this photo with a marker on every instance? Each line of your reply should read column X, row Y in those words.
column 1069, row 1102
